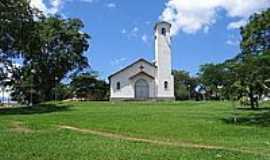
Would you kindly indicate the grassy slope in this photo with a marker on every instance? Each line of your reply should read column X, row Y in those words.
column 191, row 122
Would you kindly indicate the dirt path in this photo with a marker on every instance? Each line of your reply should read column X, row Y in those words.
column 19, row 127
column 158, row 142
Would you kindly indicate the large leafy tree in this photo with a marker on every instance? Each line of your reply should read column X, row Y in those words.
column 56, row 49
column 251, row 68
column 16, row 26
column 255, row 54
column 245, row 79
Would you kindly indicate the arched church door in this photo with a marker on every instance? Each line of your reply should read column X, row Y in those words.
column 141, row 89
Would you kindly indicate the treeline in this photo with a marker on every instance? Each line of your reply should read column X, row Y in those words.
column 84, row 86
column 245, row 77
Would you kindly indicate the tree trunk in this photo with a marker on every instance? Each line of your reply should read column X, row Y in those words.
column 252, row 99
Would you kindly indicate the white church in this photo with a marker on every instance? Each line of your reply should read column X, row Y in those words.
column 144, row 80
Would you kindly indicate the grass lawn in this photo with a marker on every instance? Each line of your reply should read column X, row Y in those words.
column 129, row 130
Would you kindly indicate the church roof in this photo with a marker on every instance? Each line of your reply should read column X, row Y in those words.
column 139, row 60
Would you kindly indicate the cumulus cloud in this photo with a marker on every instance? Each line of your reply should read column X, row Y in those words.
column 191, row 16
column 52, row 6
column 55, row 6
column 111, row 5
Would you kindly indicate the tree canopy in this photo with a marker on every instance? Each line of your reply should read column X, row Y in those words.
column 88, row 86
column 50, row 48
column 246, row 74
column 16, row 26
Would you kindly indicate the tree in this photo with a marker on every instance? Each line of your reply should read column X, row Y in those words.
column 62, row 92
column 256, row 34
column 56, row 49
column 246, row 79
column 87, row 86
column 252, row 66
column 184, row 85
column 16, row 26
column 213, row 76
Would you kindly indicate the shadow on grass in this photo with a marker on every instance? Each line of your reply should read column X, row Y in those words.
column 261, row 118
column 39, row 109
column 256, row 109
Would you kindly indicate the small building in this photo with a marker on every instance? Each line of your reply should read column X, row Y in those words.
column 4, row 95
column 144, row 80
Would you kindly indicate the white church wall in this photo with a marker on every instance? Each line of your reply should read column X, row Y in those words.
column 162, row 91
column 126, row 85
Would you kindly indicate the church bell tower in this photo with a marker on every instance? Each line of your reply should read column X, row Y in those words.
column 163, row 61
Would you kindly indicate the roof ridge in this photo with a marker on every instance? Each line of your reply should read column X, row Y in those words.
column 130, row 65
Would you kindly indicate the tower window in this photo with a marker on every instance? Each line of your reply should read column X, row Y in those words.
column 163, row 31
column 166, row 85
column 118, row 86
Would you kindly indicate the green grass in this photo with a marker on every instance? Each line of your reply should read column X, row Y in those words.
column 27, row 134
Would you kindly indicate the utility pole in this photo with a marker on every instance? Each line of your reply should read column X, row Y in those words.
column 3, row 94
column 31, row 84
column 189, row 91
column 55, row 81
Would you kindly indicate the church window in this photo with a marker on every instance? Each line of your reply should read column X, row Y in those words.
column 118, row 86
column 163, row 31
column 166, row 85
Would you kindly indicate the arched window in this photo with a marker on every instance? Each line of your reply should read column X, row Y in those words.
column 166, row 85
column 163, row 31
column 118, row 86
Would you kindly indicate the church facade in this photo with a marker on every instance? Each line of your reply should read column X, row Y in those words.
column 144, row 80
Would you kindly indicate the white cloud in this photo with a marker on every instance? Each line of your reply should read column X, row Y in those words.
column 190, row 16
column 88, row 1
column 145, row 38
column 111, row 5
column 52, row 6
column 134, row 32
column 124, row 31
column 233, row 40
column 55, row 6
column 118, row 61
column 232, row 43
column 135, row 29
column 237, row 24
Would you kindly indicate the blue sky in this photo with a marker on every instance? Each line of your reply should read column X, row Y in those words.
column 122, row 30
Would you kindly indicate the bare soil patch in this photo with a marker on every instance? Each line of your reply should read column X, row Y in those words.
column 19, row 127
column 159, row 142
